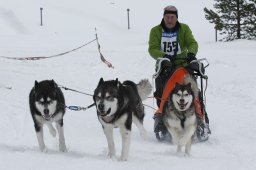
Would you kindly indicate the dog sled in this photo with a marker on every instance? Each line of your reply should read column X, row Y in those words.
column 196, row 69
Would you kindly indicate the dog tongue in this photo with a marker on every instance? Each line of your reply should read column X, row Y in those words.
column 182, row 106
column 101, row 113
column 105, row 114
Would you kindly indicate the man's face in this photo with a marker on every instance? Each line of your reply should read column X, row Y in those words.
column 170, row 20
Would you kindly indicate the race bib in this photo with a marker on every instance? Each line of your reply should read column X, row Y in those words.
column 169, row 43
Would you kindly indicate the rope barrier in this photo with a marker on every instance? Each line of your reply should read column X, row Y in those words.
column 61, row 54
column 46, row 57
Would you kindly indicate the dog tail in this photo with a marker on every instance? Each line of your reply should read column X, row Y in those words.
column 144, row 89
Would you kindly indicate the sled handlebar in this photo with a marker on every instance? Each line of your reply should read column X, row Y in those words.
column 199, row 68
column 200, row 71
column 158, row 66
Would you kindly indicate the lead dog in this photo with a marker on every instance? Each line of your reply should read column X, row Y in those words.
column 47, row 103
column 118, row 105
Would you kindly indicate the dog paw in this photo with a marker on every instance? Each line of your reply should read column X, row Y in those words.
column 63, row 148
column 186, row 154
column 182, row 154
column 122, row 158
column 111, row 156
column 44, row 150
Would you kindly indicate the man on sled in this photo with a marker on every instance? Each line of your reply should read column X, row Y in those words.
column 173, row 45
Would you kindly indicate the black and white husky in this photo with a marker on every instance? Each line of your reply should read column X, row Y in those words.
column 118, row 105
column 179, row 117
column 47, row 106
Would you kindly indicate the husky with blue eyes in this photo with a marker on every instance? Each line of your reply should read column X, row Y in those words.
column 47, row 106
column 118, row 105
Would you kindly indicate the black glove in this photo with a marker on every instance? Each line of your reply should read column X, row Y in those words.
column 191, row 57
column 166, row 64
column 195, row 66
column 170, row 57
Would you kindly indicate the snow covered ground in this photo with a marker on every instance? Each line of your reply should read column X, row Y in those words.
column 230, row 94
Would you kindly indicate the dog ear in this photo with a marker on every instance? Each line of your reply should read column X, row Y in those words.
column 177, row 84
column 53, row 84
column 116, row 82
column 189, row 85
column 36, row 86
column 101, row 81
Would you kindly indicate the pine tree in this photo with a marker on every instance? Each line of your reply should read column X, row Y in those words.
column 234, row 18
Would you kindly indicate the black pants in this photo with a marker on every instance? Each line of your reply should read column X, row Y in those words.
column 160, row 82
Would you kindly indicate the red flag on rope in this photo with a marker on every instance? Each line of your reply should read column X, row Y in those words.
column 101, row 56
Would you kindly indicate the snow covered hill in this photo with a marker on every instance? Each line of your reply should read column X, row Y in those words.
column 231, row 90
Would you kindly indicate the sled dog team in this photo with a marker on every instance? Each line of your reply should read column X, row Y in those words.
column 118, row 105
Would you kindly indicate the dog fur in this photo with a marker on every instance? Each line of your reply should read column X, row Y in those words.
column 47, row 103
column 180, row 117
column 118, row 105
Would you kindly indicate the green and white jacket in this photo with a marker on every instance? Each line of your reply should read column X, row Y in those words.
column 186, row 42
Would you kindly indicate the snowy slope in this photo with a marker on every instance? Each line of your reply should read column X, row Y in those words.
column 230, row 94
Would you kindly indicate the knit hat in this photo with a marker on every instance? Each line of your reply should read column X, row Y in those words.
column 171, row 10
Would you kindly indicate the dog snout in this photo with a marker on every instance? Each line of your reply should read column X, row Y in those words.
column 182, row 101
column 101, row 106
column 46, row 111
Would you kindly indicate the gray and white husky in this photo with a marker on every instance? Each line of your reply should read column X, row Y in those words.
column 47, row 103
column 179, row 117
column 118, row 105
